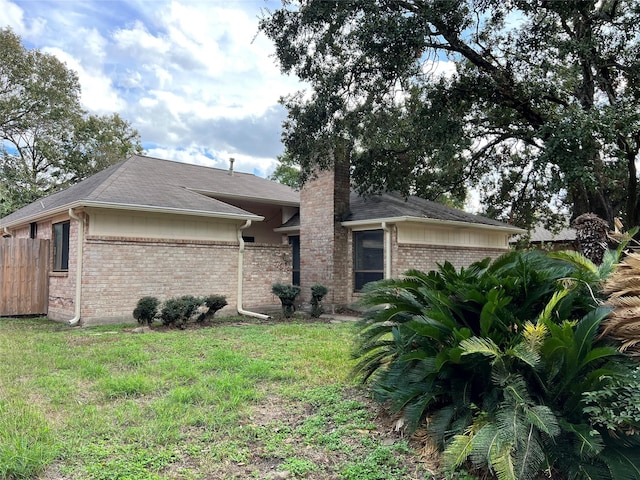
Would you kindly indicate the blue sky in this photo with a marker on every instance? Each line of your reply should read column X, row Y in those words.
column 195, row 78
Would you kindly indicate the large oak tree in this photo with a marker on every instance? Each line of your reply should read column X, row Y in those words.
column 540, row 112
column 47, row 141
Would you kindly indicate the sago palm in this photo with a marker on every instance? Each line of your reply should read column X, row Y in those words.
column 503, row 360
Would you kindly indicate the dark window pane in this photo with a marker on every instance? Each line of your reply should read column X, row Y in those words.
column 294, row 241
column 61, row 247
column 368, row 257
column 362, row 278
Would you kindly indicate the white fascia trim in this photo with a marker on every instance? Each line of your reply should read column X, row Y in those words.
column 133, row 207
column 446, row 223
column 251, row 198
column 287, row 229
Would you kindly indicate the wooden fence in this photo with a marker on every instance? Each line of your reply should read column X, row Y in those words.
column 24, row 268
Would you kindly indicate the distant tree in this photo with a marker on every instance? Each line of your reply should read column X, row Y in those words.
column 48, row 140
column 287, row 172
column 540, row 110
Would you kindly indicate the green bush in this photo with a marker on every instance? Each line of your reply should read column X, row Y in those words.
column 504, row 360
column 287, row 295
column 146, row 310
column 317, row 294
column 213, row 304
column 177, row 311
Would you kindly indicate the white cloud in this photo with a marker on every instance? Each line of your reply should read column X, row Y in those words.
column 12, row 15
column 98, row 95
column 192, row 77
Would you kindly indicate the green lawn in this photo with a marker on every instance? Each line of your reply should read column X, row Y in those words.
column 264, row 401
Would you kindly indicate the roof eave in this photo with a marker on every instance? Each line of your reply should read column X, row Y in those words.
column 252, row 198
column 132, row 207
column 287, row 229
column 450, row 223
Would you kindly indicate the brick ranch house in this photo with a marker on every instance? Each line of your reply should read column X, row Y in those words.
column 147, row 226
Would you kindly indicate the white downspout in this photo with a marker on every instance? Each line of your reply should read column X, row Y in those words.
column 7, row 233
column 387, row 250
column 76, row 319
column 242, row 311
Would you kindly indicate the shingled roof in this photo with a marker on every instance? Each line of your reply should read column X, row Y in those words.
column 148, row 183
column 390, row 205
column 394, row 207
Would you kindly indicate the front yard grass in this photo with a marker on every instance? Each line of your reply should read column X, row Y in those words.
column 231, row 401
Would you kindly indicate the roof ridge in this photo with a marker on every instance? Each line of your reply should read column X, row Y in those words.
column 235, row 172
column 107, row 182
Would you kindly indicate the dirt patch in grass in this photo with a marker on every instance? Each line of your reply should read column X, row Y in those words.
column 301, row 439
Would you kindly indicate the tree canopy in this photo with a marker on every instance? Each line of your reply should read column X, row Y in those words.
column 287, row 172
column 538, row 110
column 47, row 140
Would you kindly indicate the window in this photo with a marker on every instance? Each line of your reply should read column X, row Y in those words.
column 368, row 257
column 33, row 230
column 294, row 241
column 61, row 247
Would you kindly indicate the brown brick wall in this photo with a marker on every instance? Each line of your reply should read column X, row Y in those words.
column 265, row 265
column 427, row 257
column 118, row 272
column 62, row 285
column 323, row 241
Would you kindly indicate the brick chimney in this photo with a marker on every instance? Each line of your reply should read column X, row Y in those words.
column 324, row 203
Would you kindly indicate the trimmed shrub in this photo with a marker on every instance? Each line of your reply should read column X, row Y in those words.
column 178, row 311
column 213, row 303
column 317, row 294
column 172, row 311
column 146, row 310
column 287, row 295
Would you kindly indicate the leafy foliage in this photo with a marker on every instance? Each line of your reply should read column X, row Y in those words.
column 146, row 310
column 317, row 294
column 213, row 304
column 173, row 312
column 533, row 102
column 287, row 172
column 287, row 295
column 504, row 361
column 48, row 140
column 178, row 311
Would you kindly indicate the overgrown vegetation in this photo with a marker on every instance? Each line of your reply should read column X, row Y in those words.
column 234, row 401
column 503, row 362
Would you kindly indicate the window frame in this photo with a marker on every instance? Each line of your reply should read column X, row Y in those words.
column 367, row 263
column 61, row 233
column 294, row 241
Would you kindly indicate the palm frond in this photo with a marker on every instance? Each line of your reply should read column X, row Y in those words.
column 502, row 463
column 543, row 418
column 623, row 463
column 483, row 346
column 545, row 315
column 587, row 328
column 458, row 450
column 588, row 442
column 625, row 302
column 534, row 334
column 526, row 353
column 577, row 259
